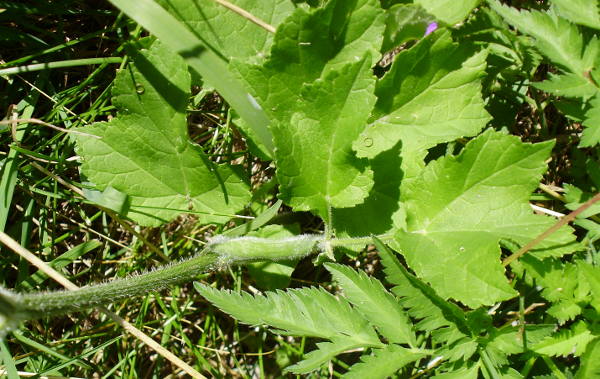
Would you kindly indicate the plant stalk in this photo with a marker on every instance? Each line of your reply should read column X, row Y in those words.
column 220, row 252
column 37, row 304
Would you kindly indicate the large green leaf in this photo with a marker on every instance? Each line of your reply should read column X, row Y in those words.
column 431, row 94
column 308, row 44
column 226, row 31
column 449, row 11
column 316, row 167
column 145, row 152
column 382, row 210
column 234, row 36
column 201, row 59
column 461, row 206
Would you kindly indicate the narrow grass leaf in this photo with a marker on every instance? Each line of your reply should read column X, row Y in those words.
column 58, row 263
column 9, row 364
column 255, row 223
column 45, row 349
column 10, row 164
column 79, row 357
column 58, row 64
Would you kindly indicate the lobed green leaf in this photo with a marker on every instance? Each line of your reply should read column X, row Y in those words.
column 201, row 59
column 461, row 206
column 227, row 32
column 378, row 305
column 316, row 166
column 309, row 44
column 145, row 152
column 325, row 352
column 556, row 37
column 568, row 85
column 420, row 300
column 430, row 95
column 303, row 312
column 584, row 12
column 383, row 363
column 566, row 341
column 591, row 134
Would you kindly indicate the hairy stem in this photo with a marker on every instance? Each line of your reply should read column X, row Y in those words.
column 38, row 304
column 221, row 251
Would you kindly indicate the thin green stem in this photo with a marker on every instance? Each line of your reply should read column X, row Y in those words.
column 489, row 365
column 553, row 367
column 58, row 64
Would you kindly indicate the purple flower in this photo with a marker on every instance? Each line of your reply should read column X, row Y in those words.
column 431, row 28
